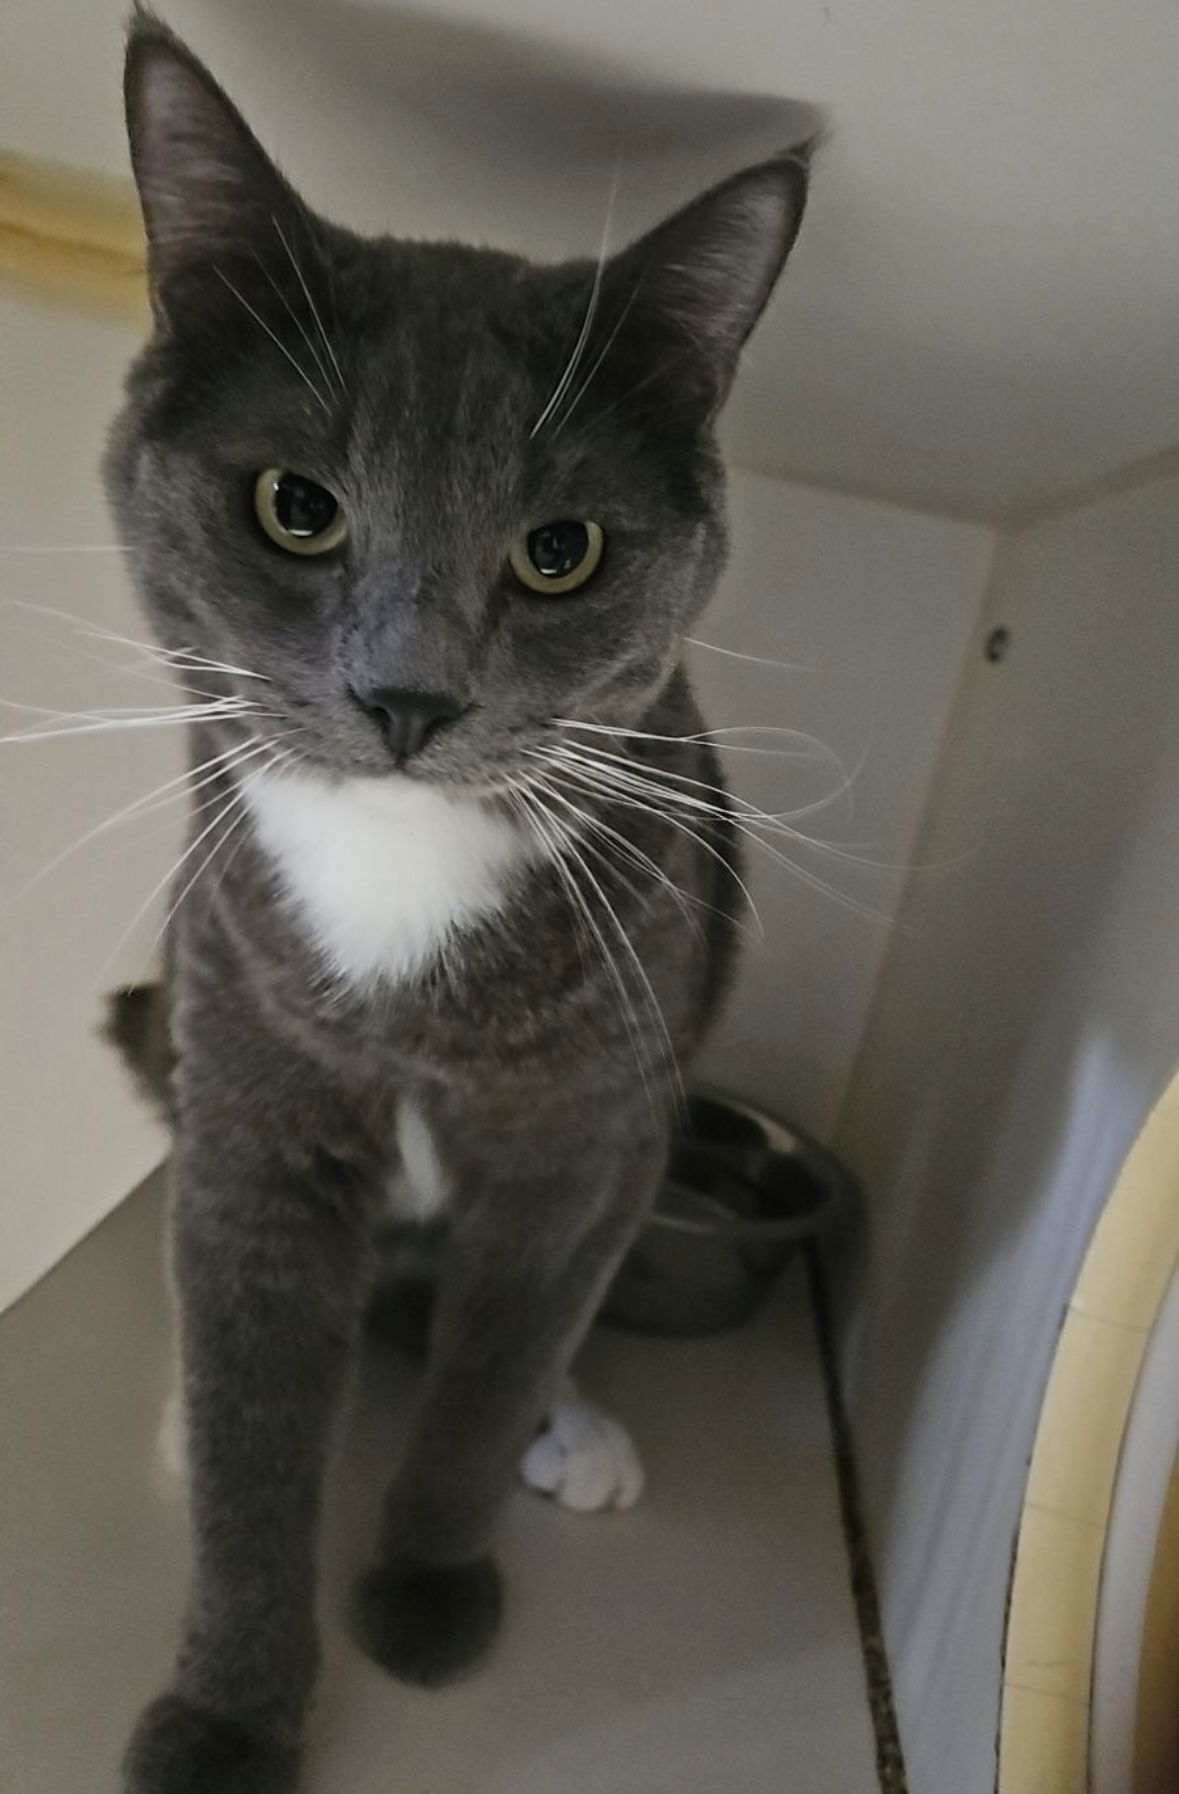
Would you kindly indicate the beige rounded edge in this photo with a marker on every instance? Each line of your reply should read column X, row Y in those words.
column 1052, row 1619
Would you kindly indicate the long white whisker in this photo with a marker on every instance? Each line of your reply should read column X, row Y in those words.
column 182, row 658
column 641, row 770
column 518, row 796
column 577, row 897
column 597, row 362
column 586, row 821
column 591, row 309
column 142, row 806
column 627, row 775
column 237, row 802
column 235, row 798
column 116, row 669
column 65, row 548
column 757, row 660
column 644, row 861
column 297, row 321
column 113, row 712
column 780, row 819
column 27, row 737
column 85, row 626
column 327, row 343
column 641, row 971
column 602, row 782
column 633, row 854
column 639, row 774
column 746, row 828
column 276, row 340
column 867, row 910
column 705, row 735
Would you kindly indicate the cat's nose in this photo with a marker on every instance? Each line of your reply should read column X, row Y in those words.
column 407, row 719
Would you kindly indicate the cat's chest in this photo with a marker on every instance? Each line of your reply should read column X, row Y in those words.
column 384, row 876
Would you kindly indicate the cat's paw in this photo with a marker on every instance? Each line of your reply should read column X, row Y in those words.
column 582, row 1458
column 179, row 1748
column 429, row 1625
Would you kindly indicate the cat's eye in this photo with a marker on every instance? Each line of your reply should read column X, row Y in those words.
column 298, row 514
column 557, row 557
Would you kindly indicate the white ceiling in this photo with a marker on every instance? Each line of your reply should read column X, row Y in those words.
column 983, row 310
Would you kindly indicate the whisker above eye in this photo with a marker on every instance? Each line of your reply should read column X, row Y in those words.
column 327, row 342
column 275, row 339
column 599, row 358
column 579, row 347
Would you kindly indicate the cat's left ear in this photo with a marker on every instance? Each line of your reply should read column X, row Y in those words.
column 696, row 285
column 207, row 188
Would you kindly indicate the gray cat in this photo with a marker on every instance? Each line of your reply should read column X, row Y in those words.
column 424, row 526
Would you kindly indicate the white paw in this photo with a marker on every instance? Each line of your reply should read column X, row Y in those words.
column 171, row 1451
column 582, row 1458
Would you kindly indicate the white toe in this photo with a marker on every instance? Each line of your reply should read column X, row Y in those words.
column 583, row 1459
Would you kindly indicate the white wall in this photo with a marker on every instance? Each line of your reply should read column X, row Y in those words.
column 1022, row 1032
column 875, row 605
column 72, row 1139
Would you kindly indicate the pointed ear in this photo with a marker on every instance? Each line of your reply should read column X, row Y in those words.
column 206, row 186
column 699, row 281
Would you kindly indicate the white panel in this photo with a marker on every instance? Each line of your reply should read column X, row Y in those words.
column 874, row 608
column 1022, row 1032
column 72, row 1138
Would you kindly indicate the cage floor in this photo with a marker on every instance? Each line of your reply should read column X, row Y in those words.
column 704, row 1643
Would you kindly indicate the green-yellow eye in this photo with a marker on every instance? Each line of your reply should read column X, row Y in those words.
column 557, row 557
column 299, row 515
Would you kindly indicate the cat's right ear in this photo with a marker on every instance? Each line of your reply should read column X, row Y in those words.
column 207, row 188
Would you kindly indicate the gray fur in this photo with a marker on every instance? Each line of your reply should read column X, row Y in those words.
column 517, row 1051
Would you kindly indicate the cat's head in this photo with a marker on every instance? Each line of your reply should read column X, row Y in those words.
column 433, row 496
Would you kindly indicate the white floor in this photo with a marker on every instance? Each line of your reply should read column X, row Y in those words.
column 703, row 1644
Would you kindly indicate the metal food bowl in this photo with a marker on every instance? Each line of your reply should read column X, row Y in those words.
column 742, row 1191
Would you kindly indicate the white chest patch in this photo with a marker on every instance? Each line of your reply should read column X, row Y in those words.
column 383, row 873
column 421, row 1189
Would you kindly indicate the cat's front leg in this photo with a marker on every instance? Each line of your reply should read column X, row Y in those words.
column 268, row 1261
column 529, row 1258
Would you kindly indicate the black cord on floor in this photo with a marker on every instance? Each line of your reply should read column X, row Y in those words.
column 890, row 1762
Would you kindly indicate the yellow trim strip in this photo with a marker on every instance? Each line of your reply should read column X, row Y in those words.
column 1051, row 1629
column 72, row 236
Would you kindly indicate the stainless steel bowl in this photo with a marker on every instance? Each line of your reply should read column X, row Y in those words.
column 743, row 1190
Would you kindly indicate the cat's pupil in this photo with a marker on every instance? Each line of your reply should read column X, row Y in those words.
column 302, row 508
column 558, row 548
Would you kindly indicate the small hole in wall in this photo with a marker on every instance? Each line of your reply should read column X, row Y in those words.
column 998, row 643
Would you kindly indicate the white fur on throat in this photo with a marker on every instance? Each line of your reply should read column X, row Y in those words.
column 384, row 873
